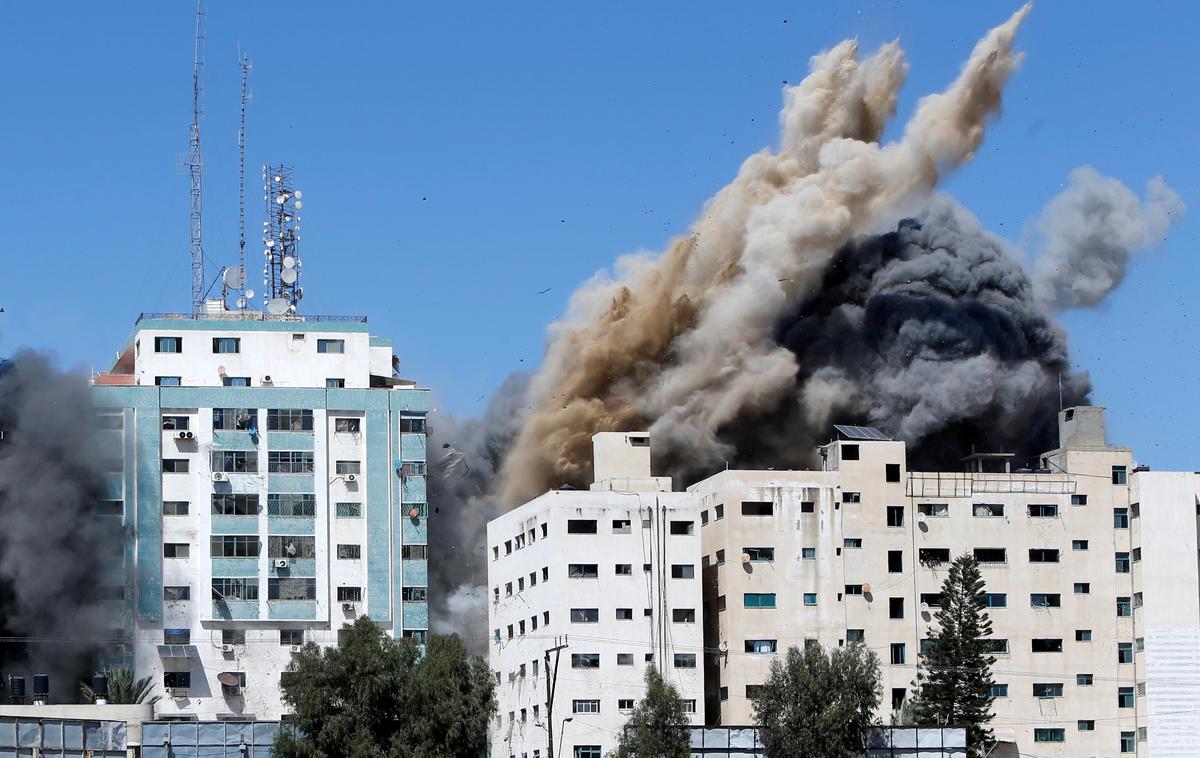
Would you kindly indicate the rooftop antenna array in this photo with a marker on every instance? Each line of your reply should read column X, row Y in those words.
column 235, row 279
column 281, row 237
column 196, row 171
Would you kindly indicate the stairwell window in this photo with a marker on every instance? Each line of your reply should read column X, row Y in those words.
column 1122, row 563
column 1120, row 475
column 331, row 346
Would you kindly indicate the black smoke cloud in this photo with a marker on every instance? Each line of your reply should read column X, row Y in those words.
column 60, row 559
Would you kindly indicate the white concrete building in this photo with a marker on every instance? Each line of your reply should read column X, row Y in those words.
column 271, row 478
column 613, row 576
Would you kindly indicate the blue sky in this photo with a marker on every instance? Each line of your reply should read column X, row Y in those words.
column 458, row 159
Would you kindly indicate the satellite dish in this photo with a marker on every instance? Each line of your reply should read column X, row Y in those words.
column 241, row 303
column 278, row 179
column 745, row 557
column 299, row 194
column 867, row 589
column 270, row 243
column 234, row 277
column 249, row 293
column 924, row 607
column 723, row 646
column 920, row 518
column 288, row 275
column 280, row 199
column 277, row 306
column 298, row 203
column 221, row 370
column 229, row 679
column 289, row 261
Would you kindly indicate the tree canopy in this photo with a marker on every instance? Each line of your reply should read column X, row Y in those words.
column 954, row 682
column 375, row 697
column 819, row 703
column 658, row 725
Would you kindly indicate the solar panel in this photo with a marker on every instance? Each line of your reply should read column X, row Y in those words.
column 178, row 651
column 861, row 432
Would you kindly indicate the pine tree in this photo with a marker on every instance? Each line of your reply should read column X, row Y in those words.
column 954, row 682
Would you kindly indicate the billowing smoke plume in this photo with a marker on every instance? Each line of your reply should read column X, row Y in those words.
column 60, row 549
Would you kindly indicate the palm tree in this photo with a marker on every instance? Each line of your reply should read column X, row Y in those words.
column 123, row 689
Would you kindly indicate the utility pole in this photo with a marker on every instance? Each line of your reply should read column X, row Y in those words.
column 551, row 685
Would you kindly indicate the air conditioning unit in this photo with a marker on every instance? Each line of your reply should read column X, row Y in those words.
column 227, row 648
column 178, row 693
column 351, row 478
column 218, row 476
column 190, row 435
column 349, row 606
column 183, row 435
column 266, row 379
column 230, row 691
column 296, row 648
column 281, row 563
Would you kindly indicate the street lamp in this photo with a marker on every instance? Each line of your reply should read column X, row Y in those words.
column 562, row 728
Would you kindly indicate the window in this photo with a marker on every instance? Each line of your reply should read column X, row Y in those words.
column 347, row 467
column 852, row 543
column 1124, row 652
column 856, row 635
column 998, row 690
column 235, row 589
column 1125, row 697
column 168, row 381
column 758, row 508
column 168, row 344
column 112, row 421
column 581, row 526
column 585, row 660
column 176, row 550
column 414, row 425
column 808, row 506
column 347, row 425
column 624, row 704
column 585, row 615
column 1122, row 563
column 1138, row 600
column 895, row 607
column 173, row 593
column 1124, row 607
column 289, row 420
column 853, row 589
column 291, row 546
column 334, row 383
column 229, row 504
column 761, row 647
column 290, row 462
column 292, row 504
column 227, row 345
column 810, row 598
column 416, row 595
column 851, row 497
column 897, row 653
column 995, row 600
column 891, row 472
column 1128, row 742
column 1046, row 645
column 1120, row 475
column 1048, row 734
column 935, row 556
column 1120, row 518
column 760, row 600
column 647, row 612
column 1045, row 600
column 349, row 594
column 235, row 381
column 895, row 515
column 582, row 571
column 291, row 636
column 1083, row 588
column 349, row 552
column 987, row 510
column 720, row 557
column 1043, row 510
column 895, row 561
column 1083, row 635
column 233, row 419
column 234, row 546
column 683, row 571
column 624, row 614
column 1078, row 499
column 173, row 423
column 624, row 569
column 1048, row 689
column 1086, row 725
column 683, row 615
column 175, row 508
column 1079, row 544
column 1136, row 554
column 718, row 512
column 291, row 588
column 624, row 659
column 175, row 465
column 683, row 527
column 233, row 637
column 622, row 526
column 585, row 706
column 177, row 636
column 849, row 452
column 685, row 660
column 331, row 346
column 1043, row 555
column 753, row 691
column 235, row 461
column 177, row 680
column 934, row 510
column 760, row 554
column 588, row 751
column 1084, row 680
column 931, row 599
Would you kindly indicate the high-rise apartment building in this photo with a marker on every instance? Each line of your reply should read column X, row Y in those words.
column 1090, row 564
column 612, row 574
column 272, row 484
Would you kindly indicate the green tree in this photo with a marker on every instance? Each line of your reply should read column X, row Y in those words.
column 954, row 682
column 658, row 725
column 376, row 697
column 819, row 703
column 123, row 689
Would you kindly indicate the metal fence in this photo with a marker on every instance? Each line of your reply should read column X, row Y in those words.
column 882, row 742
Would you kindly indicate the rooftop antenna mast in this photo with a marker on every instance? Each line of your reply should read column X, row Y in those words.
column 196, row 171
column 238, row 278
column 281, row 238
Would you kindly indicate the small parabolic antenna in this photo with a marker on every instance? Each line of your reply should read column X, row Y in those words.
column 241, row 302
column 289, row 261
column 288, row 275
column 234, row 277
column 277, row 306
column 249, row 294
column 229, row 679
